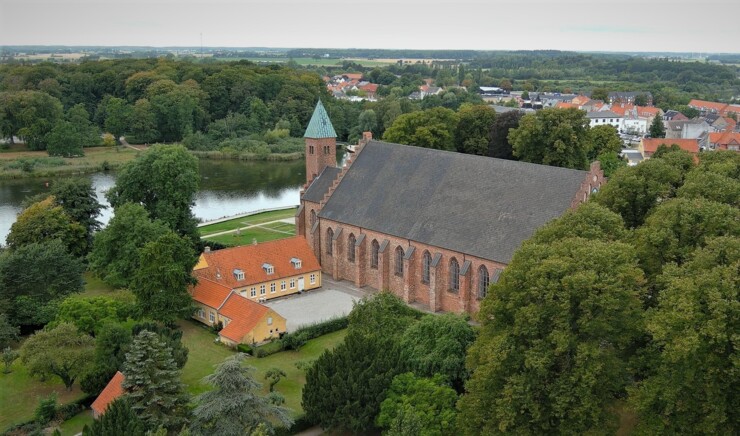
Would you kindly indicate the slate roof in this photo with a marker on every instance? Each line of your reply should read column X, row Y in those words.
column 320, row 124
column 112, row 391
column 320, row 185
column 470, row 204
column 602, row 114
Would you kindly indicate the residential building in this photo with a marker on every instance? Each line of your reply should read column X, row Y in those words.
column 431, row 226
column 602, row 118
column 629, row 97
column 672, row 115
column 727, row 140
column 648, row 146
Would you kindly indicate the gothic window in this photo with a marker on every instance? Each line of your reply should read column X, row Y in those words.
column 374, row 257
column 310, row 149
column 313, row 217
column 329, row 237
column 425, row 265
column 454, row 275
column 483, row 281
column 399, row 261
column 351, row 248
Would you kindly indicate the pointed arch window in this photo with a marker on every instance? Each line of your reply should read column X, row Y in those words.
column 426, row 264
column 454, row 275
column 329, row 238
column 375, row 255
column 399, row 261
column 351, row 248
column 313, row 217
column 483, row 282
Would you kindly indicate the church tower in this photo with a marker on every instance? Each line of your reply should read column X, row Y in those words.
column 321, row 143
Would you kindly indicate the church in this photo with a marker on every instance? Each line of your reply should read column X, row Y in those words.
column 433, row 227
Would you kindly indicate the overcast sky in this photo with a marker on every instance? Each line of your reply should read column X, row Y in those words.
column 587, row 25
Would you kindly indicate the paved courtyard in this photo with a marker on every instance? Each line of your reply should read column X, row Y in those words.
column 332, row 300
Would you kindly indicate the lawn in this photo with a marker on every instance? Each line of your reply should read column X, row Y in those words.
column 41, row 165
column 20, row 394
column 261, row 233
column 75, row 424
column 258, row 218
column 204, row 354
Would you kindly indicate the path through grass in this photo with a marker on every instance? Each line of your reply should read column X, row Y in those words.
column 262, row 233
column 235, row 223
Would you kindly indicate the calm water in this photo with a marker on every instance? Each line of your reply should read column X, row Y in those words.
column 227, row 188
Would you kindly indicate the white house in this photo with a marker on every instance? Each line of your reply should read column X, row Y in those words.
column 601, row 118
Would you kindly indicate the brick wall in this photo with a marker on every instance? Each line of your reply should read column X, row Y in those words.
column 317, row 159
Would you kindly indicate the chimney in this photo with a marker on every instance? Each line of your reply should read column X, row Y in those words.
column 254, row 241
column 367, row 136
column 207, row 249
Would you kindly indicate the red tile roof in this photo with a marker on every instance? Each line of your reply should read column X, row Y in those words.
column 708, row 105
column 370, row 87
column 650, row 145
column 113, row 390
column 564, row 105
column 579, row 100
column 244, row 315
column 250, row 258
column 210, row 293
column 647, row 111
column 353, row 76
column 731, row 108
column 723, row 139
column 620, row 109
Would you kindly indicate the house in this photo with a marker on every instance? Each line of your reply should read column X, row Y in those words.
column 727, row 140
column 711, row 107
column 648, row 146
column 632, row 124
column 695, row 128
column 629, row 97
column 433, row 227
column 370, row 89
column 601, row 118
column 580, row 100
column 112, row 391
column 648, row 113
column 672, row 115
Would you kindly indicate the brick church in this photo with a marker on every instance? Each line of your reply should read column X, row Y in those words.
column 433, row 227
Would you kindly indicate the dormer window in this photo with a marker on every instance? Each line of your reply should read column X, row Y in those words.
column 269, row 269
column 238, row 274
column 296, row 263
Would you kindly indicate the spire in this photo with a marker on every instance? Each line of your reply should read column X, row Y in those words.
column 320, row 124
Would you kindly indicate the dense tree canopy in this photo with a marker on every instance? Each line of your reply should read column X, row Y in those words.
column 62, row 351
column 29, row 115
column 44, row 222
column 473, row 132
column 432, row 128
column 500, row 146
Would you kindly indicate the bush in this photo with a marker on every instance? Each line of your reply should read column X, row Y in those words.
column 268, row 349
column 244, row 348
column 46, row 410
column 67, row 411
column 295, row 340
column 300, row 424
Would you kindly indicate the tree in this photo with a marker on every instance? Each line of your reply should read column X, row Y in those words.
column 143, row 126
column 235, row 406
column 30, row 115
column 164, row 180
column 89, row 314
column 557, row 137
column 78, row 116
column 274, row 375
column 119, row 419
column 657, row 128
column 506, row 85
column 34, row 278
column 557, row 330
column 432, row 128
column 115, row 254
column 610, row 162
column 161, row 281
column 692, row 387
column 436, row 345
column 689, row 111
column 152, row 384
column 600, row 94
column 381, row 315
column 605, row 140
column 112, row 341
column 588, row 221
column 8, row 332
column 172, row 338
column 346, row 385
column 368, row 121
column 77, row 197
column 641, row 100
column 44, row 221
column 9, row 356
column 46, row 409
column 61, row 351
column 118, row 116
column 499, row 146
column 64, row 140
column 472, row 135
column 711, row 185
column 418, row 406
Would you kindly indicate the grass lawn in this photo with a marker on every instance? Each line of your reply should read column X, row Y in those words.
column 267, row 232
column 20, row 394
column 258, row 218
column 44, row 166
column 75, row 424
column 204, row 354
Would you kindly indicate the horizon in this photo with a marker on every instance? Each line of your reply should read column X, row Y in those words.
column 630, row 26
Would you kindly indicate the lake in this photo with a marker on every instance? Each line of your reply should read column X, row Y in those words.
column 227, row 187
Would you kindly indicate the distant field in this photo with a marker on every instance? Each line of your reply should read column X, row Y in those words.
column 39, row 164
column 323, row 62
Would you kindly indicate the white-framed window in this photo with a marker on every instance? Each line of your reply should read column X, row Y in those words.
column 272, row 287
column 312, row 279
column 212, row 316
column 269, row 320
column 292, row 283
column 282, row 285
column 296, row 262
column 201, row 314
column 262, row 289
column 253, row 292
column 269, row 269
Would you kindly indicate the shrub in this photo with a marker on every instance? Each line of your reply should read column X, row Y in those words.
column 295, row 340
column 268, row 349
column 47, row 409
column 244, row 348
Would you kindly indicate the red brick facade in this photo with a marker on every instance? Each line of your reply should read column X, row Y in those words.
column 320, row 153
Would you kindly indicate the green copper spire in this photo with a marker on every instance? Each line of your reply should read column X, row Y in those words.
column 320, row 124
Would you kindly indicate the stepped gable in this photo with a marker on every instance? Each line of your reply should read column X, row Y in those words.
column 320, row 185
column 476, row 205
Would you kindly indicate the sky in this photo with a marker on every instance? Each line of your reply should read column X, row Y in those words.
column 581, row 25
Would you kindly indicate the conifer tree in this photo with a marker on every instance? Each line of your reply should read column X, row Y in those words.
column 119, row 419
column 657, row 128
column 152, row 383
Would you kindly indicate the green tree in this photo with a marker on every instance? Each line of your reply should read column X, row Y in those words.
column 235, row 406
column 589, row 221
column 44, row 221
column 472, row 135
column 78, row 116
column 346, row 385
column 692, row 386
column 418, row 406
column 641, row 100
column 689, row 111
column 9, row 356
column 383, row 314
column 89, row 314
column 115, row 254
column 29, row 115
column 143, row 125
column 368, row 121
column 118, row 117
column 112, row 341
column 432, row 128
column 557, row 137
column 119, row 419
column 711, row 185
column 600, row 94
column 657, row 128
column 161, row 281
column 605, row 140
column 34, row 278
column 557, row 330
column 46, row 410
column 171, row 336
column 9, row 333
column 61, row 351
column 436, row 345
column 77, row 197
column 610, row 162
column 273, row 376
column 64, row 140
column 164, row 180
column 152, row 384
column 499, row 146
